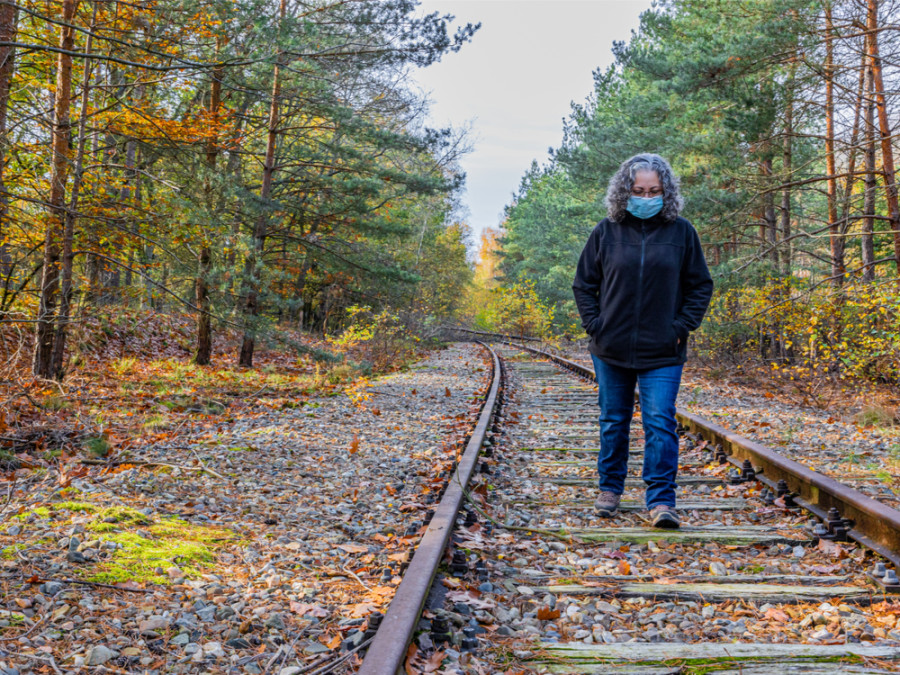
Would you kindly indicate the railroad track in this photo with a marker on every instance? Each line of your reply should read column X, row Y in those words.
column 773, row 570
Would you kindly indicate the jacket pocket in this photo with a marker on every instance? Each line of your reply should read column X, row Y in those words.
column 674, row 343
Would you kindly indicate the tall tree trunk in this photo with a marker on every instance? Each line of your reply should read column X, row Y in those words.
column 204, row 327
column 94, row 262
column 252, row 268
column 868, row 225
column 125, row 197
column 44, row 333
column 846, row 220
column 787, row 168
column 837, row 249
column 770, row 227
column 887, row 151
column 9, row 16
column 65, row 302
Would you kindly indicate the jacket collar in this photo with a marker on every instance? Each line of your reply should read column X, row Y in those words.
column 634, row 221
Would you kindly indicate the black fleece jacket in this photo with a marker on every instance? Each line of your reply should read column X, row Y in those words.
column 641, row 286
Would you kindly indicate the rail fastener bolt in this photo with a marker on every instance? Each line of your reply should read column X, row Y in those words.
column 784, row 493
column 469, row 641
column 372, row 628
column 484, row 468
column 721, row 455
column 471, row 519
column 748, row 473
column 459, row 567
column 838, row 528
column 440, row 631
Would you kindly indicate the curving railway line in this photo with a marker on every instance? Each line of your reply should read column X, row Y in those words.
column 776, row 568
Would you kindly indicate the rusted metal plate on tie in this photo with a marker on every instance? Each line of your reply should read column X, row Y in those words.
column 387, row 652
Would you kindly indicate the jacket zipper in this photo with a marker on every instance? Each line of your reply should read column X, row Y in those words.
column 640, row 299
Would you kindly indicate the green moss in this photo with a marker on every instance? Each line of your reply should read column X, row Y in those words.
column 39, row 511
column 156, row 422
column 9, row 552
column 14, row 618
column 77, row 507
column 56, row 403
column 162, row 544
column 124, row 515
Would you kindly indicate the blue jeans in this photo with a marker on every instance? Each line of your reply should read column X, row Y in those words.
column 658, row 387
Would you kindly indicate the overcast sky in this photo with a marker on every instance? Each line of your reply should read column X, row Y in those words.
column 515, row 81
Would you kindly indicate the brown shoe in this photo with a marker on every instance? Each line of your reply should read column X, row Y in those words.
column 607, row 504
column 664, row 517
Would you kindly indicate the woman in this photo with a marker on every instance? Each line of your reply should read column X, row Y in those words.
column 641, row 286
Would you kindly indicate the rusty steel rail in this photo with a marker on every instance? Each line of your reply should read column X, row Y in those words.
column 503, row 336
column 875, row 525
column 387, row 652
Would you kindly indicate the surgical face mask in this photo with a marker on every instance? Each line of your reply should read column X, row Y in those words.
column 644, row 207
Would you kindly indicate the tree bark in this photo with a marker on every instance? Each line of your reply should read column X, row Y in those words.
column 9, row 16
column 65, row 303
column 44, row 333
column 787, row 168
column 204, row 327
column 252, row 267
column 837, row 249
column 887, row 151
column 868, row 225
column 770, row 227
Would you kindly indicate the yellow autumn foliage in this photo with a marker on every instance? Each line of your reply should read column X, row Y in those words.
column 852, row 332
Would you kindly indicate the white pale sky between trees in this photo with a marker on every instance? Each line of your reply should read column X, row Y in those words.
column 513, row 84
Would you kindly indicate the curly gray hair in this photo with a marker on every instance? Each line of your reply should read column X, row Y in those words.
column 620, row 185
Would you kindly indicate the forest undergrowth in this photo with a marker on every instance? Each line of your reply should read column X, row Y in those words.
column 131, row 381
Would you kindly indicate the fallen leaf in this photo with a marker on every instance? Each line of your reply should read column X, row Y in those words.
column 546, row 614
column 446, row 391
column 362, row 609
column 776, row 614
column 832, row 549
column 353, row 548
column 354, row 445
column 434, row 661
column 624, row 567
column 307, row 609
column 410, row 655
